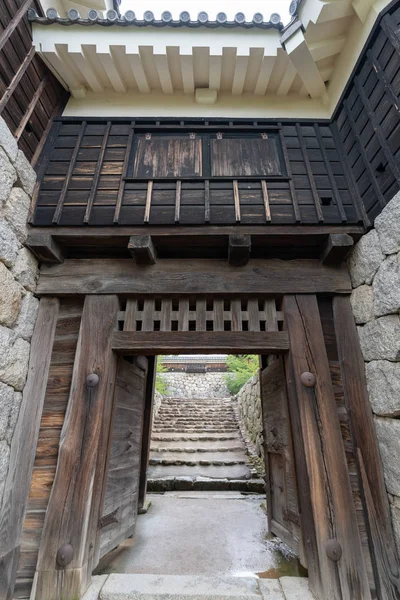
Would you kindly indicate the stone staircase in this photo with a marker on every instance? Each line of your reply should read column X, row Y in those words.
column 197, row 445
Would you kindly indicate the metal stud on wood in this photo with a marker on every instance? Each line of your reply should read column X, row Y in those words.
column 307, row 379
column 333, row 550
column 92, row 380
column 64, row 555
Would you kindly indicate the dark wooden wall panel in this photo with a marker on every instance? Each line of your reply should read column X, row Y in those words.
column 30, row 95
column 368, row 119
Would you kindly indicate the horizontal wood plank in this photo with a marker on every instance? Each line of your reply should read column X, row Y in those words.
column 167, row 276
column 193, row 342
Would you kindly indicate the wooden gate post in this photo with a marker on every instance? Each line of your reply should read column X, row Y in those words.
column 375, row 499
column 331, row 538
column 12, row 510
column 70, row 534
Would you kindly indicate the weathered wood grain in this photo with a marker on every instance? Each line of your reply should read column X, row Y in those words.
column 239, row 250
column 387, row 566
column 76, row 494
column 23, row 444
column 336, row 248
column 169, row 276
column 142, row 249
column 188, row 342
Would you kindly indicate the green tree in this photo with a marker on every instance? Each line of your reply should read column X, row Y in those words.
column 161, row 385
column 240, row 368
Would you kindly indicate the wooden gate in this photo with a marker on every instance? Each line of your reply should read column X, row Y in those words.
column 327, row 498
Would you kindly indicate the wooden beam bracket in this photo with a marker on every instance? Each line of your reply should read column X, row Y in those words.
column 239, row 249
column 336, row 248
column 142, row 249
column 45, row 248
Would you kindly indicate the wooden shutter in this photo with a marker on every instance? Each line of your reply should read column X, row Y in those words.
column 122, row 481
column 282, row 503
column 244, row 157
column 159, row 157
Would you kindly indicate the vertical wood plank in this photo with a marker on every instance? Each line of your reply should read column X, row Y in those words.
column 236, row 199
column 121, row 188
column 48, row 146
column 96, row 175
column 178, row 201
column 166, row 309
column 23, row 444
column 236, row 315
column 289, row 174
column 131, row 314
column 271, row 321
column 218, row 324
column 147, row 421
column 76, row 497
column 148, row 315
column 207, row 201
column 387, row 567
column 148, row 201
column 331, row 499
column 201, row 314
column 267, row 209
column 253, row 314
column 332, row 180
column 183, row 314
column 71, row 166
column 310, row 174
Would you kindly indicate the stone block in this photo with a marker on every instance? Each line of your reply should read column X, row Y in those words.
column 271, row 589
column 4, row 462
column 10, row 297
column 26, row 174
column 12, row 421
column 387, row 225
column 9, row 244
column 180, row 587
column 14, row 358
column 7, row 141
column 386, row 287
column 16, row 211
column 94, row 589
column 365, row 259
column 383, row 380
column 362, row 303
column 6, row 404
column 296, row 588
column 388, row 435
column 380, row 339
column 8, row 176
column 395, row 512
column 27, row 317
column 25, row 269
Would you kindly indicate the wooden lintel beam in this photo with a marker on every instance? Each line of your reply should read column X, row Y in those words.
column 189, row 342
column 142, row 249
column 239, row 249
column 45, row 248
column 196, row 276
column 336, row 248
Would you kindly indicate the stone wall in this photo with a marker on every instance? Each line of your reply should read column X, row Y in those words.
column 195, row 385
column 18, row 275
column 249, row 413
column 156, row 403
column 374, row 267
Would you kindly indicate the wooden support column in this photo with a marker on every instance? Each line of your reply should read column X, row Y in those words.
column 70, row 539
column 142, row 249
column 147, row 419
column 23, row 445
column 376, row 504
column 239, row 249
column 329, row 524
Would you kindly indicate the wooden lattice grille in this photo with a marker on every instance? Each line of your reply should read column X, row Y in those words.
column 200, row 314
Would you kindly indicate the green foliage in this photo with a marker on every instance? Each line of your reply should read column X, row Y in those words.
column 240, row 368
column 161, row 385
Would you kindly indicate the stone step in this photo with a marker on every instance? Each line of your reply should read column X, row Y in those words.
column 184, row 437
column 186, row 447
column 194, row 462
column 196, row 587
column 193, row 429
column 206, row 484
column 236, row 471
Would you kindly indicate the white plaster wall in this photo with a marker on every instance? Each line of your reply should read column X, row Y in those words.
column 374, row 266
column 18, row 275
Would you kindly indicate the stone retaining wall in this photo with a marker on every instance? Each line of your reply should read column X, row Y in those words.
column 195, row 385
column 374, row 266
column 158, row 398
column 18, row 275
column 249, row 412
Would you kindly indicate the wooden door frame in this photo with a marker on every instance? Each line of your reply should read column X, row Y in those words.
column 302, row 328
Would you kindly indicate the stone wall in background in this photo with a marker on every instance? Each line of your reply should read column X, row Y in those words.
column 374, row 266
column 195, row 385
column 249, row 413
column 18, row 275
column 156, row 403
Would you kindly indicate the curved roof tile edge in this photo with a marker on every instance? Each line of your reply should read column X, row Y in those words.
column 119, row 20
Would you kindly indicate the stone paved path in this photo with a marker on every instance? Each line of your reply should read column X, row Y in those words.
column 197, row 444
